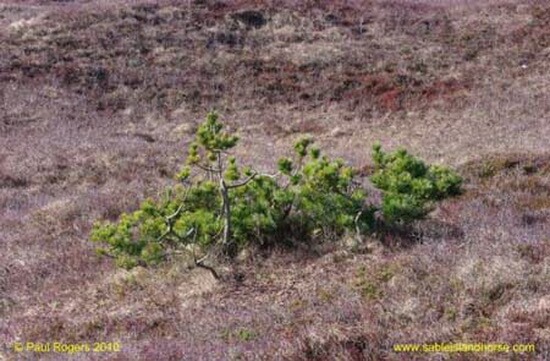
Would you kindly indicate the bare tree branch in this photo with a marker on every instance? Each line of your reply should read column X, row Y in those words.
column 207, row 169
column 356, row 221
column 243, row 182
column 200, row 263
column 169, row 219
column 176, row 213
column 251, row 177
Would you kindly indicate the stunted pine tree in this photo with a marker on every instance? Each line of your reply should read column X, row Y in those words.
column 219, row 207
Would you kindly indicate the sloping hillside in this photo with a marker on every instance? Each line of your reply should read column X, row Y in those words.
column 99, row 99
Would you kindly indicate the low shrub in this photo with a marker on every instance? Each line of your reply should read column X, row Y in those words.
column 220, row 207
column 409, row 186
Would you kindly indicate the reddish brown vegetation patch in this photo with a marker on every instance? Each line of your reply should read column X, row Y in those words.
column 145, row 50
column 442, row 90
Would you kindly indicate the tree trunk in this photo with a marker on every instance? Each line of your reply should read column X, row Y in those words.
column 228, row 244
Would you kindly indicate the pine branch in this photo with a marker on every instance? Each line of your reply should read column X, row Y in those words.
column 243, row 182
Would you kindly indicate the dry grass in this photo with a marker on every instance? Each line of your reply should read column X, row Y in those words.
column 98, row 101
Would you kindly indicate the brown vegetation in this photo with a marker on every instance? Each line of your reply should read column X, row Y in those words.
column 98, row 100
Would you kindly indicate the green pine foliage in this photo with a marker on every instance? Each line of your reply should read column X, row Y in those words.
column 409, row 186
column 323, row 199
column 220, row 205
column 147, row 236
column 257, row 211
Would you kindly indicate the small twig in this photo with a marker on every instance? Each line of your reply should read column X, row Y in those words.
column 209, row 268
column 162, row 236
column 356, row 221
column 169, row 219
column 212, row 270
column 251, row 177
column 270, row 175
column 243, row 182
column 208, row 169
column 176, row 213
